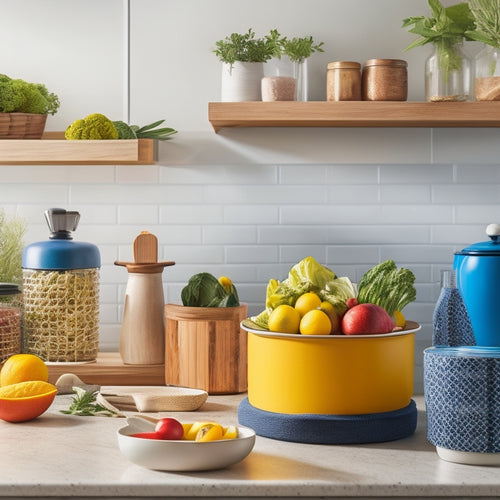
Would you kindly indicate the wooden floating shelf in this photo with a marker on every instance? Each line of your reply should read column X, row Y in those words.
column 354, row 114
column 53, row 149
column 109, row 369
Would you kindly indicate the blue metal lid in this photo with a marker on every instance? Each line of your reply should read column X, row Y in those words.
column 60, row 252
column 491, row 247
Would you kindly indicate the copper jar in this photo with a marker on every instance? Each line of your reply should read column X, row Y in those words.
column 385, row 80
column 343, row 81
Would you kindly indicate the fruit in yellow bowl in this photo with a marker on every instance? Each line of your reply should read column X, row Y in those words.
column 315, row 322
column 23, row 368
column 307, row 302
column 284, row 319
column 25, row 400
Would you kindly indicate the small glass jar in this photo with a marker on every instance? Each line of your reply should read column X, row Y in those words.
column 487, row 81
column 343, row 81
column 10, row 320
column 448, row 73
column 385, row 80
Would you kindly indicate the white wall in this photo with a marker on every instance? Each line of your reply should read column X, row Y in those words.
column 244, row 203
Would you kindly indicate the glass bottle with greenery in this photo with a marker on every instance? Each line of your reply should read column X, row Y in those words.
column 448, row 72
column 487, row 31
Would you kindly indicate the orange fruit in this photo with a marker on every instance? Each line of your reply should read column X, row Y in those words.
column 25, row 400
column 307, row 302
column 315, row 322
column 210, row 432
column 23, row 368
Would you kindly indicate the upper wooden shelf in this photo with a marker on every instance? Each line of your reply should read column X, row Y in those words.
column 53, row 149
column 354, row 114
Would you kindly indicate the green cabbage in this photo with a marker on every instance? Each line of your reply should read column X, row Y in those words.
column 306, row 276
column 204, row 290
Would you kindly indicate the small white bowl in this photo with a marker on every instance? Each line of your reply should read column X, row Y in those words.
column 168, row 455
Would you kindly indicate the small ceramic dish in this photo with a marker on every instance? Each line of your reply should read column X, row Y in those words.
column 182, row 455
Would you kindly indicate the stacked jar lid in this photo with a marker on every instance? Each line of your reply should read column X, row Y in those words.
column 379, row 80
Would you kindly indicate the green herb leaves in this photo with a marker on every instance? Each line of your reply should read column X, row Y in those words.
column 84, row 405
column 150, row 131
column 487, row 17
column 446, row 23
column 246, row 48
column 205, row 290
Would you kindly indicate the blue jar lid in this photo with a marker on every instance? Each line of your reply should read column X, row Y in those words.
column 491, row 247
column 60, row 252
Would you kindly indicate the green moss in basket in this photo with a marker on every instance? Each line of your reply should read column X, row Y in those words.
column 205, row 290
column 18, row 96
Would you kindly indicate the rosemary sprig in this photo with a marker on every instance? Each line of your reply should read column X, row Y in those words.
column 84, row 405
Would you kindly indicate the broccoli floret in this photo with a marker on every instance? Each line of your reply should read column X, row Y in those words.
column 387, row 286
column 94, row 126
column 19, row 96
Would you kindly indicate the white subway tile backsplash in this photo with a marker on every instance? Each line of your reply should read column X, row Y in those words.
column 478, row 173
column 289, row 235
column 251, row 214
column 192, row 214
column 482, row 215
column 411, row 174
column 351, row 194
column 405, row 193
column 251, row 254
column 464, row 194
column 352, row 174
column 137, row 174
column 295, row 253
column 229, row 235
column 138, row 214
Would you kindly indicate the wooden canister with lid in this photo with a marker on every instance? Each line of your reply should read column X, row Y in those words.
column 343, row 81
column 385, row 80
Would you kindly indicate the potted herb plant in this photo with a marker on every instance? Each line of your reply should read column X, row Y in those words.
column 243, row 57
column 24, row 108
column 487, row 30
column 448, row 69
column 289, row 68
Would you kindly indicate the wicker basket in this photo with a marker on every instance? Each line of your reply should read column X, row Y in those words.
column 22, row 125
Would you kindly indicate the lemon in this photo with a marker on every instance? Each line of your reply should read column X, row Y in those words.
column 23, row 368
column 225, row 282
column 400, row 319
column 230, row 432
column 328, row 308
column 284, row 319
column 307, row 302
column 209, row 432
column 315, row 322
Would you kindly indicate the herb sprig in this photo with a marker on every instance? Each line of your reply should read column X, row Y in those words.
column 84, row 405
column 487, row 16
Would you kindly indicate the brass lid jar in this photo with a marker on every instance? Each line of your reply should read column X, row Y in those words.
column 385, row 80
column 343, row 81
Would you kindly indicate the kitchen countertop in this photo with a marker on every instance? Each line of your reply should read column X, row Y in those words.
column 59, row 455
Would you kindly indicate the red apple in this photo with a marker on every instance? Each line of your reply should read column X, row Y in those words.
column 366, row 319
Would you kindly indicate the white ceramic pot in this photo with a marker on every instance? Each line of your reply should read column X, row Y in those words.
column 241, row 81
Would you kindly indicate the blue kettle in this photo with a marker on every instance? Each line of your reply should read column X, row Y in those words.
column 478, row 279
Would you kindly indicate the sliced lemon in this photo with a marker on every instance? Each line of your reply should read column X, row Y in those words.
column 191, row 433
column 230, row 432
column 209, row 432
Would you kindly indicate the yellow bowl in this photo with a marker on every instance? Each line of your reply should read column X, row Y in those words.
column 330, row 375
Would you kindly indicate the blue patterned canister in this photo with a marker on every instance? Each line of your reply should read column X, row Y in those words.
column 462, row 397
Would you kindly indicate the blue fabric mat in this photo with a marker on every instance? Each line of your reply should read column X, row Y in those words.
column 330, row 429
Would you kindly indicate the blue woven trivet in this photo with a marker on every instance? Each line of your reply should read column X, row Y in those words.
column 330, row 429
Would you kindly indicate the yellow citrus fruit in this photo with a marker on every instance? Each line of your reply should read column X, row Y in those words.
column 399, row 319
column 25, row 400
column 284, row 319
column 307, row 302
column 191, row 430
column 209, row 432
column 225, row 282
column 230, row 432
column 332, row 314
column 23, row 368
column 315, row 322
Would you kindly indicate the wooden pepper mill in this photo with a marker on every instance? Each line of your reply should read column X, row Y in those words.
column 142, row 337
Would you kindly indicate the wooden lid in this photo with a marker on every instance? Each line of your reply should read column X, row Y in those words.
column 344, row 65
column 386, row 62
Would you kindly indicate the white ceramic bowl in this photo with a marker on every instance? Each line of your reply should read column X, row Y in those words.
column 182, row 455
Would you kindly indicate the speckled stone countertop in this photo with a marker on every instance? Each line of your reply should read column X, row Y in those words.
column 59, row 455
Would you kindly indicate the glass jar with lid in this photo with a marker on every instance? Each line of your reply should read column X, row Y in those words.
column 10, row 320
column 61, row 293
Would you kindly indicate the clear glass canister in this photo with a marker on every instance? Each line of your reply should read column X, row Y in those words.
column 61, row 293
column 385, row 80
column 487, row 74
column 448, row 73
column 10, row 320
column 343, row 81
